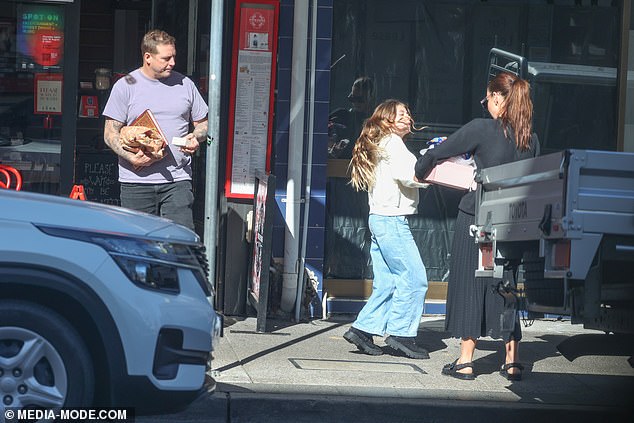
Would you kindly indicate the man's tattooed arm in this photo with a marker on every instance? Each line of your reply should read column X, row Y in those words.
column 111, row 133
column 200, row 130
column 195, row 138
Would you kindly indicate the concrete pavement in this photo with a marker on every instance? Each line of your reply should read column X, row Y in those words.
column 308, row 372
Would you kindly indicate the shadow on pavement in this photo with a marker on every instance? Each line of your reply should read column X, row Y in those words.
column 277, row 347
column 597, row 344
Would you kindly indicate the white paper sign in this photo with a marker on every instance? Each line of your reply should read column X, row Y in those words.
column 251, row 119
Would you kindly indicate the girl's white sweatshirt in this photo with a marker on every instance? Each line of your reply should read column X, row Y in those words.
column 395, row 192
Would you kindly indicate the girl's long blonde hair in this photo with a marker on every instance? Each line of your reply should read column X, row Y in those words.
column 367, row 152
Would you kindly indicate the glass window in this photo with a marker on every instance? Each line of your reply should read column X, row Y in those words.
column 31, row 66
column 434, row 56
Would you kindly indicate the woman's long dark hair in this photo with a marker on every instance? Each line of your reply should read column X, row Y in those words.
column 517, row 109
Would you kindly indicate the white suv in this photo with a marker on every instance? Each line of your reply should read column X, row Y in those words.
column 101, row 306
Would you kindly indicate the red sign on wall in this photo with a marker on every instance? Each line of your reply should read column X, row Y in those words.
column 251, row 102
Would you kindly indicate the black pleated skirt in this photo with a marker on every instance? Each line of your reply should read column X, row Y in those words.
column 474, row 307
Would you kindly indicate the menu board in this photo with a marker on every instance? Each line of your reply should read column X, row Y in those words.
column 251, row 103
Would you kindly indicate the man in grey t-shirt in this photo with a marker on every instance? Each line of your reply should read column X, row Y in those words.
column 157, row 186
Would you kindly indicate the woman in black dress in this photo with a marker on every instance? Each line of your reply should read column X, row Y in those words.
column 473, row 305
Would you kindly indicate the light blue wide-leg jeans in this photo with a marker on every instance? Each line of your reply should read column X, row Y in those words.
column 400, row 280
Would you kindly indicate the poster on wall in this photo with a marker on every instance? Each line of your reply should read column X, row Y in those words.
column 40, row 37
column 251, row 102
column 48, row 94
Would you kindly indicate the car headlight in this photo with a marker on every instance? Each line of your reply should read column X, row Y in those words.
column 151, row 264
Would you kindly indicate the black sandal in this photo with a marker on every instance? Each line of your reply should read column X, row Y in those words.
column 451, row 369
column 513, row 377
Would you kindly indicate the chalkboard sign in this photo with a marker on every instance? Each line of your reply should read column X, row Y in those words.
column 99, row 174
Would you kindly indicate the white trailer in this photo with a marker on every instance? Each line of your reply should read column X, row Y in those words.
column 567, row 219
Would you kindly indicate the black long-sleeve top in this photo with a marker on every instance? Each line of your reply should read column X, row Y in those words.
column 485, row 139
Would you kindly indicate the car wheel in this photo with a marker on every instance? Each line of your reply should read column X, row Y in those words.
column 43, row 361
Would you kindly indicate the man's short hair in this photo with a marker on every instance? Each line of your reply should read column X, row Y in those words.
column 153, row 38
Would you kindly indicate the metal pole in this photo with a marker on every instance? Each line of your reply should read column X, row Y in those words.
column 295, row 154
column 621, row 83
column 213, row 130
column 309, row 159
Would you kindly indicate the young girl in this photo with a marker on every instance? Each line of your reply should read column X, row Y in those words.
column 382, row 166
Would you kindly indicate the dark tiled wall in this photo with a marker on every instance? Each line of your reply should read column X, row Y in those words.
column 317, row 211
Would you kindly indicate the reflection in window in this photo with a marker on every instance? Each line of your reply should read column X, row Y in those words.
column 433, row 55
column 31, row 64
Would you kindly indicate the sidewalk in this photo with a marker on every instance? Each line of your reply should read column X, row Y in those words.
column 309, row 368
column 312, row 358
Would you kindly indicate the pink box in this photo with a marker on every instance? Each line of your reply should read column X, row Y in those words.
column 452, row 175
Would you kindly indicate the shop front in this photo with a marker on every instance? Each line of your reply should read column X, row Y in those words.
column 58, row 61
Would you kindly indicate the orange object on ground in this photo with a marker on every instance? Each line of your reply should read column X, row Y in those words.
column 78, row 193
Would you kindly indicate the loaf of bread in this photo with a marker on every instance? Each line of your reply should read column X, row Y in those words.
column 134, row 138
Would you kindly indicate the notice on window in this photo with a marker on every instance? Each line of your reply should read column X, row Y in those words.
column 251, row 102
column 40, row 35
column 48, row 94
column 88, row 106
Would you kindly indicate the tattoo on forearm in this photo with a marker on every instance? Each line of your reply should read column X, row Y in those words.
column 111, row 137
column 200, row 132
